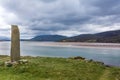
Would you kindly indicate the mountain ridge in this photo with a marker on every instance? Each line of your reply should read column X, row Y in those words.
column 105, row 37
column 102, row 37
column 48, row 38
column 2, row 38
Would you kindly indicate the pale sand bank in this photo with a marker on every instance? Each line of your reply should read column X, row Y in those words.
column 79, row 44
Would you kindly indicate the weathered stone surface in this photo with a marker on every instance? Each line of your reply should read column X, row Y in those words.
column 15, row 43
column 8, row 64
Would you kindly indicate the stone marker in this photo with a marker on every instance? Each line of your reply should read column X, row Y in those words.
column 15, row 43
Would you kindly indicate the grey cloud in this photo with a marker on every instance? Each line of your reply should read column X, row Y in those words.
column 50, row 16
column 48, row 27
column 47, row 1
column 108, row 7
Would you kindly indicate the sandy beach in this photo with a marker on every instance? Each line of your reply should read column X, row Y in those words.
column 79, row 44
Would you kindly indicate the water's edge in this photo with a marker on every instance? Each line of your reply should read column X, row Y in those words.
column 108, row 55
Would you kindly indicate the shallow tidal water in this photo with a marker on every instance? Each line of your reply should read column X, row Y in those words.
column 110, row 56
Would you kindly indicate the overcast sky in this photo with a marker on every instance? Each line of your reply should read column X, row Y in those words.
column 64, row 17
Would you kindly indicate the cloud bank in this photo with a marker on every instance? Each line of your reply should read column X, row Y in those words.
column 63, row 17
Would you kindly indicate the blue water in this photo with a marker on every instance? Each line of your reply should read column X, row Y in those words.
column 110, row 56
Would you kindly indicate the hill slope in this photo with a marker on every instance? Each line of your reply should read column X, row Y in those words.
column 106, row 37
column 4, row 38
column 48, row 38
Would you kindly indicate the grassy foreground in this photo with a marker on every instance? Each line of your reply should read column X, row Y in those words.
column 44, row 68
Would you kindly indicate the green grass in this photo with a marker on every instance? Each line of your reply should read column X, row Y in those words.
column 45, row 68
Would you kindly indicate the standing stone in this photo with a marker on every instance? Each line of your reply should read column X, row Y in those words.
column 15, row 43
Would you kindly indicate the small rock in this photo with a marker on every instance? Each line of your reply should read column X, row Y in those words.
column 78, row 57
column 8, row 64
column 90, row 60
column 23, row 61
column 107, row 66
column 100, row 62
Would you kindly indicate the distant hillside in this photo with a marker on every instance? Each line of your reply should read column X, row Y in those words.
column 106, row 37
column 48, row 38
column 4, row 38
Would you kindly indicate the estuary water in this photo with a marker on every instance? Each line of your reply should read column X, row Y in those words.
column 110, row 56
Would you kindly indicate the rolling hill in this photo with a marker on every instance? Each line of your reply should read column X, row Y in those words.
column 4, row 38
column 48, row 38
column 105, row 37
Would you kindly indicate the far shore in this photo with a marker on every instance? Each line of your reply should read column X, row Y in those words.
column 79, row 44
column 74, row 44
